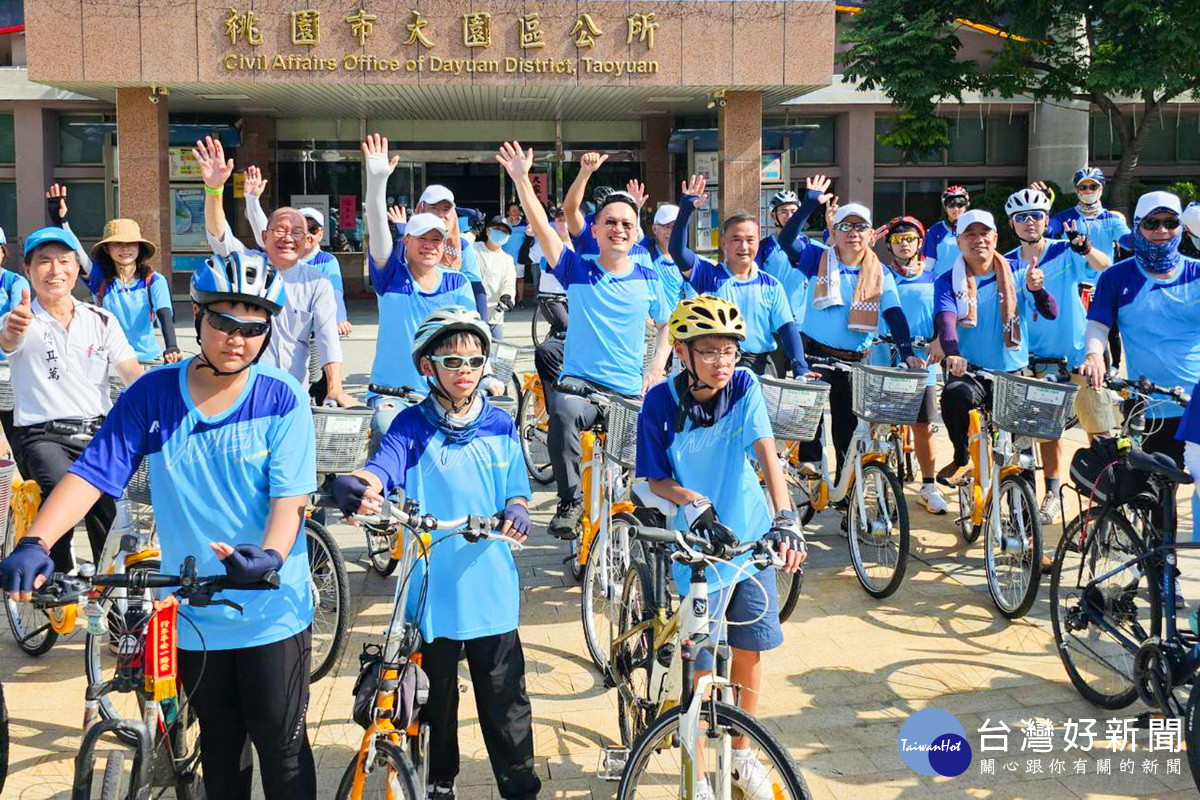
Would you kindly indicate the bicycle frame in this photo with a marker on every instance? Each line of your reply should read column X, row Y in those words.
column 869, row 445
column 600, row 482
column 991, row 465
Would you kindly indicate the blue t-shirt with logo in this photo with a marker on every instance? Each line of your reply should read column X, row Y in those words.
column 761, row 299
column 402, row 307
column 328, row 264
column 1105, row 230
column 916, row 301
column 941, row 248
column 134, row 304
column 11, row 286
column 606, row 339
column 473, row 589
column 983, row 345
column 212, row 479
column 830, row 325
column 1064, row 270
column 715, row 461
column 1159, row 323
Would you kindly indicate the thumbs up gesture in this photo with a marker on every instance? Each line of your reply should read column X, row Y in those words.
column 20, row 317
column 1034, row 279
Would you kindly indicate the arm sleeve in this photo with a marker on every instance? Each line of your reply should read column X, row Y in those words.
column 1045, row 303
column 789, row 334
column 653, row 461
column 113, row 455
column 684, row 257
column 227, row 244
column 898, row 325
column 166, row 324
column 947, row 328
column 479, row 294
column 516, row 481
column 392, row 459
column 256, row 217
column 791, row 241
column 292, row 464
column 329, row 345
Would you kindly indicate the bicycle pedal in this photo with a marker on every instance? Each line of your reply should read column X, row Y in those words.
column 612, row 763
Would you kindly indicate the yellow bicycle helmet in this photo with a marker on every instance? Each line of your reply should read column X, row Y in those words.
column 706, row 315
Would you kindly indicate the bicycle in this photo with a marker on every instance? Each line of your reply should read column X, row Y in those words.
column 900, row 435
column 397, row 755
column 999, row 494
column 665, row 719
column 543, row 322
column 164, row 736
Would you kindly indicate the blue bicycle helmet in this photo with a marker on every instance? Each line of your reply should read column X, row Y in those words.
column 239, row 278
column 1088, row 173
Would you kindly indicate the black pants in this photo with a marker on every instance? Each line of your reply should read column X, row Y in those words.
column 46, row 458
column 959, row 396
column 841, row 414
column 570, row 415
column 1163, row 439
column 548, row 359
column 759, row 363
column 497, row 666
column 554, row 310
column 253, row 695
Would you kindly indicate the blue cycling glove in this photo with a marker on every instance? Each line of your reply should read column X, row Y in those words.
column 27, row 560
column 347, row 491
column 518, row 515
column 249, row 563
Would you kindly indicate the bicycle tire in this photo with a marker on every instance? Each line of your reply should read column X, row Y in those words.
column 577, row 566
column 3, row 740
column 1030, row 539
column 30, row 627
column 188, row 783
column 538, row 327
column 967, row 529
column 633, row 658
column 538, row 466
column 331, row 599
column 1191, row 736
column 1104, row 534
column 393, row 762
column 888, row 582
column 788, row 585
column 114, row 769
column 599, row 647
column 380, row 541
column 895, row 456
column 662, row 735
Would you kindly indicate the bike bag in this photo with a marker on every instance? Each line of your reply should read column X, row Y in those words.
column 1101, row 472
column 410, row 690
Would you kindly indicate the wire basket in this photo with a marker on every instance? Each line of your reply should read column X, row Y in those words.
column 314, row 361
column 648, row 346
column 1031, row 407
column 620, row 432
column 6, row 391
column 7, row 470
column 116, row 384
column 887, row 395
column 341, row 438
column 504, row 359
column 138, row 488
column 795, row 408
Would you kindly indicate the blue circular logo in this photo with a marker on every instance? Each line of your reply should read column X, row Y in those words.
column 934, row 742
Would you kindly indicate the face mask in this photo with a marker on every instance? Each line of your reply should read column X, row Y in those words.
column 1088, row 201
column 1157, row 259
column 497, row 237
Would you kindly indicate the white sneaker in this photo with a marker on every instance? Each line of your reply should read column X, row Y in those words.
column 932, row 499
column 750, row 776
column 703, row 791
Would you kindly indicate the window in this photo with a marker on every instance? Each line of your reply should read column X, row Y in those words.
column 998, row 140
column 1189, row 137
column 81, row 138
column 341, row 184
column 87, row 211
column 1008, row 140
column 8, row 150
column 1105, row 141
column 968, row 141
column 1159, row 147
column 885, row 154
column 8, row 208
column 814, row 144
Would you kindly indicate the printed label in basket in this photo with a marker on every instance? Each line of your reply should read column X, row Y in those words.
column 901, row 385
column 1036, row 394
column 809, row 399
column 338, row 424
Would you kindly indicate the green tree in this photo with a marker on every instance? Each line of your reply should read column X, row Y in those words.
column 1117, row 55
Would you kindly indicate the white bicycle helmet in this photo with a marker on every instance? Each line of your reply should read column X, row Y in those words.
column 784, row 197
column 1027, row 200
column 445, row 321
column 239, row 278
column 1191, row 219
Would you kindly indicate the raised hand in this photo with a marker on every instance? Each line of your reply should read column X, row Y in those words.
column 398, row 215
column 819, row 184
column 375, row 152
column 694, row 187
column 831, row 207
column 58, row 212
column 1034, row 279
column 590, row 162
column 1041, row 187
column 638, row 190
column 516, row 162
column 254, row 182
column 215, row 169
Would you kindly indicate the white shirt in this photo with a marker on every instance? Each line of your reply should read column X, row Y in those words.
column 499, row 273
column 311, row 310
column 547, row 283
column 62, row 373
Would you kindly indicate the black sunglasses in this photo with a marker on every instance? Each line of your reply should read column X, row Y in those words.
column 1170, row 223
column 959, row 203
column 313, row 228
column 230, row 325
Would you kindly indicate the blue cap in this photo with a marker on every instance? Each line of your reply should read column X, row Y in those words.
column 49, row 235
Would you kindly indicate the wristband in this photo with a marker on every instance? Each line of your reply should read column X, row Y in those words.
column 219, row 190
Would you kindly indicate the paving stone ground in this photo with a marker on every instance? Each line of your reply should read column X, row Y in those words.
column 851, row 671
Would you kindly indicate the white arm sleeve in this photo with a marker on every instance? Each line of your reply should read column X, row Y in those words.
column 85, row 261
column 375, row 218
column 225, row 245
column 256, row 217
column 1191, row 460
column 1097, row 337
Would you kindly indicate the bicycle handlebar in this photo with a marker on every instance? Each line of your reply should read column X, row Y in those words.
column 1143, row 386
column 593, row 395
column 706, row 550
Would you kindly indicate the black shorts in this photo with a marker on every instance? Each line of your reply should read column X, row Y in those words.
column 928, row 411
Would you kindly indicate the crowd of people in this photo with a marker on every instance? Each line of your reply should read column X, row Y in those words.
column 228, row 433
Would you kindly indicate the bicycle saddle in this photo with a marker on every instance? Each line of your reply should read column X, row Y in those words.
column 1158, row 464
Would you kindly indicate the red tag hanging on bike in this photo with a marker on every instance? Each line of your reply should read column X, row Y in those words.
column 162, row 661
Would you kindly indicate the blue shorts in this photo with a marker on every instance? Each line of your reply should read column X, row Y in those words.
column 748, row 602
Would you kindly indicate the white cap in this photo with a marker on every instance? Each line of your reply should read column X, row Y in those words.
column 311, row 213
column 1153, row 201
column 1191, row 220
column 852, row 210
column 435, row 193
column 969, row 218
column 421, row 224
column 666, row 214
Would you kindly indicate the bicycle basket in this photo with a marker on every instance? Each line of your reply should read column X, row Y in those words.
column 6, row 390
column 1101, row 473
column 138, row 489
column 314, row 362
column 795, row 408
column 7, row 470
column 506, row 404
column 504, row 360
column 620, row 437
column 1031, row 407
column 887, row 395
column 341, row 438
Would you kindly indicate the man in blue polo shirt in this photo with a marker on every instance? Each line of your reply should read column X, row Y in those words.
column 1103, row 227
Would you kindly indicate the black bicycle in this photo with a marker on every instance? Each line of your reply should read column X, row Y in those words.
column 548, row 317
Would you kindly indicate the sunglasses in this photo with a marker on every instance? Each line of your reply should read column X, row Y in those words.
column 458, row 362
column 959, row 203
column 846, row 227
column 1088, row 187
column 228, row 325
column 1029, row 216
column 1170, row 223
column 904, row 238
column 313, row 228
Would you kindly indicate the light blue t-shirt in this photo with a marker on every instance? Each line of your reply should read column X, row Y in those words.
column 1105, row 230
column 830, row 325
column 212, row 479
column 134, row 305
column 1064, row 270
column 11, row 286
column 715, row 461
column 675, row 288
column 916, row 301
column 983, row 345
column 473, row 589
column 328, row 264
column 607, row 336
column 402, row 307
column 761, row 299
column 941, row 248
column 515, row 241
column 794, row 282
column 1159, row 323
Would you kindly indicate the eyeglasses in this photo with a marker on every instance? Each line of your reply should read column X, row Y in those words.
column 624, row 225
column 846, row 227
column 228, row 325
column 313, row 229
column 1170, row 223
column 458, row 362
column 955, row 203
column 1029, row 216
column 1088, row 187
column 713, row 356
column 904, row 238
column 288, row 233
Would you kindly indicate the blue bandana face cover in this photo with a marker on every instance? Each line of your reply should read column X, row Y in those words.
column 1157, row 259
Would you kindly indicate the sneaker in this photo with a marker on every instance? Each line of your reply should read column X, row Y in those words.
column 565, row 524
column 953, row 475
column 1051, row 509
column 750, row 776
column 932, row 499
column 440, row 790
column 810, row 469
column 703, row 791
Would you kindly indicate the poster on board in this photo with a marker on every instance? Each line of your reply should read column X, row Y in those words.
column 187, row 218
column 321, row 203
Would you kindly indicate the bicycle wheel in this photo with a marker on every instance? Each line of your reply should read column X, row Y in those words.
column 30, row 626
column 331, row 598
column 533, row 431
column 114, row 770
column 895, row 456
column 801, row 489
column 634, row 656
column 879, row 543
column 538, row 326
column 573, row 560
column 1099, row 664
column 787, row 584
column 1014, row 548
column 967, row 529
column 1191, row 736
column 180, row 766
column 390, row 777
column 381, row 540
column 3, row 740
column 603, row 577
column 655, row 768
